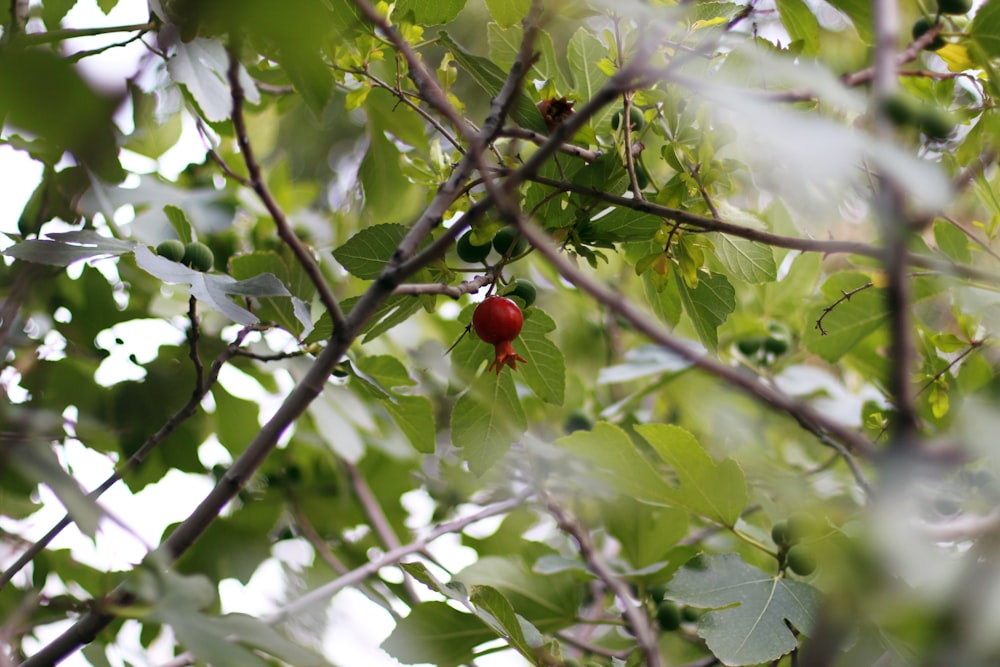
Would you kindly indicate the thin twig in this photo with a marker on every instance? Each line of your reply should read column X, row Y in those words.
column 285, row 231
column 845, row 296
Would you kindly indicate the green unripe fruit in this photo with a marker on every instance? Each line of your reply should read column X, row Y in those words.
column 172, row 250
column 781, row 534
column 657, row 591
column 935, row 123
column 636, row 119
column 198, row 256
column 524, row 291
column 954, row 6
column 668, row 615
column 689, row 614
column 921, row 26
column 641, row 177
column 469, row 251
column 577, row 422
column 800, row 560
column 777, row 342
column 750, row 346
column 507, row 237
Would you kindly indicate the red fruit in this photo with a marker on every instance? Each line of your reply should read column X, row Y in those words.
column 498, row 321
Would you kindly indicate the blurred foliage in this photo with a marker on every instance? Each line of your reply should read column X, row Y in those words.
column 742, row 212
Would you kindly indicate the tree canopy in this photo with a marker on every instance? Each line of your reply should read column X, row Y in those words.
column 736, row 408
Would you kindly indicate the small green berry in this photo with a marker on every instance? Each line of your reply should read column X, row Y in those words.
column 524, row 291
column 668, row 615
column 800, row 560
column 748, row 347
column 469, row 251
column 172, row 250
column 802, row 525
column 781, row 534
column 954, row 6
column 920, row 27
column 657, row 591
column 636, row 119
column 507, row 237
column 198, row 256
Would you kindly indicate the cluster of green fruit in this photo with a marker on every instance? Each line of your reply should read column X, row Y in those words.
column 788, row 536
column 507, row 242
column 945, row 7
column 195, row 254
column 669, row 614
column 763, row 348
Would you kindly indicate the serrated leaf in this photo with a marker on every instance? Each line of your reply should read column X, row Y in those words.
column 365, row 254
column 430, row 13
column 486, row 419
column 708, row 305
column 545, row 371
column 435, row 633
column 745, row 260
column 717, row 491
column 750, row 608
column 286, row 313
column 647, row 533
column 413, row 414
column 64, row 248
column 212, row 289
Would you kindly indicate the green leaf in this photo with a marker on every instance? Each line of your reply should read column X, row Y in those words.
column 212, row 289
column 614, row 464
column 107, row 5
column 64, row 248
column 504, row 46
column 745, row 260
column 646, row 533
column 708, row 305
column 431, row 12
column 253, row 632
column 491, row 78
column 750, row 608
column 985, row 28
column 179, row 221
column 583, row 53
column 435, row 633
column 53, row 12
column 497, row 612
column 151, row 137
column 36, row 461
column 717, row 491
column 860, row 13
column 486, row 420
column 202, row 67
column 46, row 96
column 366, row 253
column 952, row 241
column 850, row 321
column 413, row 414
column 290, row 314
column 547, row 601
column 236, row 419
column 545, row 371
column 800, row 23
column 508, row 12
column 619, row 225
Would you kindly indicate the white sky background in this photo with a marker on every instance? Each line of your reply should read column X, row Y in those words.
column 358, row 626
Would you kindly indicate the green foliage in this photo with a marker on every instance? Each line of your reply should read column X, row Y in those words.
column 774, row 359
